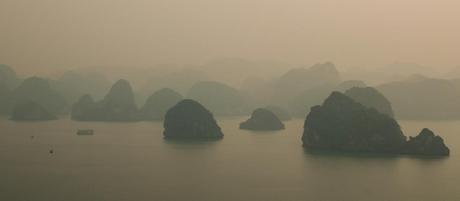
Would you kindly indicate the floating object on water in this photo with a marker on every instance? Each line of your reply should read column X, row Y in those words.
column 85, row 132
column 32, row 137
column 51, row 151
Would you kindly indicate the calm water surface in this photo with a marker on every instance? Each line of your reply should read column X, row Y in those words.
column 131, row 161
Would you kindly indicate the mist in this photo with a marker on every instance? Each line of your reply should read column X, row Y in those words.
column 117, row 100
column 43, row 37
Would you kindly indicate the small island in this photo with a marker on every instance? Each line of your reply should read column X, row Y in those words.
column 262, row 120
column 343, row 124
column 188, row 119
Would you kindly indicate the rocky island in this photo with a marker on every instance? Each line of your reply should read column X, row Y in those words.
column 117, row 105
column 31, row 111
column 262, row 119
column 343, row 124
column 188, row 119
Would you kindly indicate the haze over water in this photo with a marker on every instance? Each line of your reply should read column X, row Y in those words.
column 132, row 161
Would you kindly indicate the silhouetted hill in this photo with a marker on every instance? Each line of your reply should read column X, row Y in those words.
column 117, row 105
column 31, row 111
column 38, row 90
column 159, row 103
column 72, row 85
column 188, row 119
column 263, row 120
column 423, row 98
column 297, row 81
column 6, row 99
column 343, row 124
column 219, row 98
column 345, row 85
column 371, row 98
column 8, row 77
column 180, row 81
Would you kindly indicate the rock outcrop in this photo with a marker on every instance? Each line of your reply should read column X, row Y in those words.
column 159, row 103
column 117, row 105
column 188, row 119
column 346, row 125
column 264, row 120
column 426, row 143
column 31, row 111
column 371, row 98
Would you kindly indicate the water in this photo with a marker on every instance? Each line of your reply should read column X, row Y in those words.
column 131, row 161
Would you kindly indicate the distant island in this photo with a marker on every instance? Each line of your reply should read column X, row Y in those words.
column 343, row 124
column 159, row 103
column 262, row 120
column 117, row 105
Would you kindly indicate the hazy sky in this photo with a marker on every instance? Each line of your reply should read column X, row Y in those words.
column 56, row 34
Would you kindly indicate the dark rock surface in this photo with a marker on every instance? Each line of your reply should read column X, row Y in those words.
column 345, row 125
column 262, row 119
column 188, row 119
column 159, row 103
column 371, row 98
column 31, row 111
column 426, row 143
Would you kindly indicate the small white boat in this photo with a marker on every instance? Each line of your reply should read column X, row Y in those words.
column 85, row 132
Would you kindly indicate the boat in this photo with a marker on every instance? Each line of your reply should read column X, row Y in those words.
column 85, row 132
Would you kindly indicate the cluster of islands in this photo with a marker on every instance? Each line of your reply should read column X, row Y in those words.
column 339, row 115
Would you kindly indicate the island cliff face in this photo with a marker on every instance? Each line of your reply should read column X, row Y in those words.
column 264, row 120
column 159, row 103
column 188, row 119
column 117, row 105
column 346, row 125
column 31, row 111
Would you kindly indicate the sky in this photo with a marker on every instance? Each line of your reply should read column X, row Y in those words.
column 50, row 35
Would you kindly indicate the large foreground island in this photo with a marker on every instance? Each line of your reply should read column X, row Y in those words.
column 344, row 124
